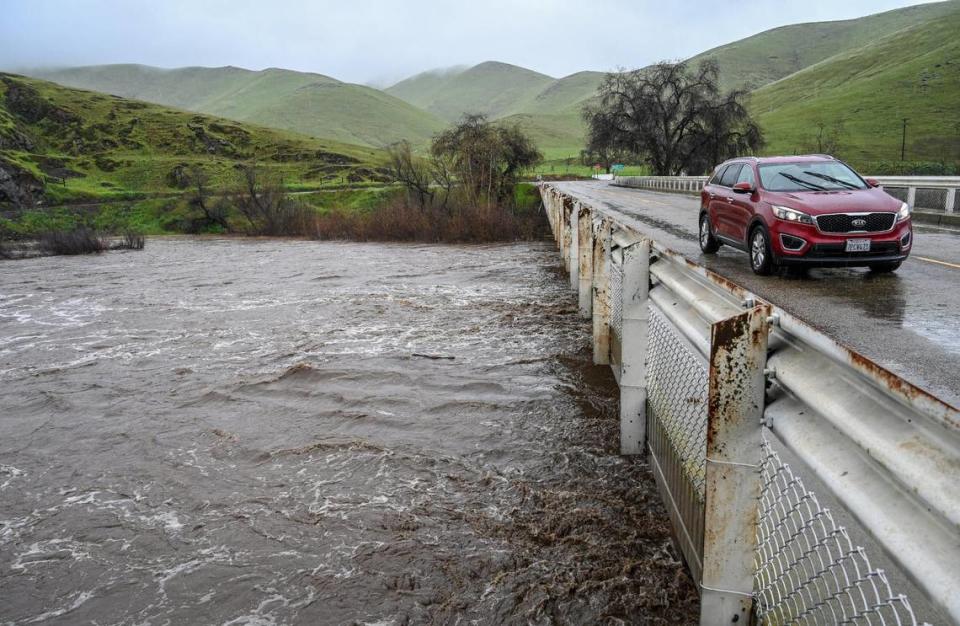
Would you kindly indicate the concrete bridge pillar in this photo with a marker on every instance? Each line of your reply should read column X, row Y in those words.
column 585, row 261
column 633, row 362
column 601, row 291
column 573, row 251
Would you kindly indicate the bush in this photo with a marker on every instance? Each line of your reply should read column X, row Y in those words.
column 400, row 221
column 129, row 241
column 78, row 241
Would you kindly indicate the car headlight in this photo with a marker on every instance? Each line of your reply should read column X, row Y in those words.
column 791, row 215
column 904, row 212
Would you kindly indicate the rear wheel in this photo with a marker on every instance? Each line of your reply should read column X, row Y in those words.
column 708, row 243
column 761, row 258
column 885, row 268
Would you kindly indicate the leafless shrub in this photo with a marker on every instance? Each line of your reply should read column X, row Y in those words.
column 78, row 241
column 401, row 221
column 129, row 241
column 268, row 209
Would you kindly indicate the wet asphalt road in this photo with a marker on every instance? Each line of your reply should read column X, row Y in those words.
column 906, row 321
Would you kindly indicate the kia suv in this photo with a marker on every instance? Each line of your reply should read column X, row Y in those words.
column 809, row 211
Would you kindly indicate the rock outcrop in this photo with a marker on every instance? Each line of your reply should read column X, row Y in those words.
column 18, row 186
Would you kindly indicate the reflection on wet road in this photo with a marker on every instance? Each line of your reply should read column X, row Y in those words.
column 238, row 432
column 906, row 321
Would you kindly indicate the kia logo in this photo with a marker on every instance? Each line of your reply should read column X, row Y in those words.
column 859, row 222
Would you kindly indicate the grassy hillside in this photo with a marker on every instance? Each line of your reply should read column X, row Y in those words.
column 495, row 89
column 546, row 108
column 59, row 144
column 774, row 54
column 310, row 104
column 913, row 73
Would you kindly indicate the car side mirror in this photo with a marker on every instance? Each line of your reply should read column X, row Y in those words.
column 873, row 182
column 743, row 188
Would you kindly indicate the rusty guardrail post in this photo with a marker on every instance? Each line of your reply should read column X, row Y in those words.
column 585, row 261
column 601, row 291
column 633, row 361
column 738, row 356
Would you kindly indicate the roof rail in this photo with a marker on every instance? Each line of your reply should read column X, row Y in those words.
column 826, row 156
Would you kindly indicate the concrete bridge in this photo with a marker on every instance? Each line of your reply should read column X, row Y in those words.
column 802, row 430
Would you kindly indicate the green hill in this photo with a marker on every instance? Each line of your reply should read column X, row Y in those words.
column 61, row 144
column 547, row 108
column 310, row 104
column 492, row 88
column 779, row 52
column 912, row 73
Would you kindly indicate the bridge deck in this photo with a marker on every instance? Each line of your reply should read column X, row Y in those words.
column 907, row 321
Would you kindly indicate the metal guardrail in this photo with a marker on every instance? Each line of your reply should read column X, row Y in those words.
column 713, row 382
column 936, row 193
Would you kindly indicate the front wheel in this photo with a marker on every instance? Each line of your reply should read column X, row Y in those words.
column 885, row 268
column 761, row 258
column 708, row 243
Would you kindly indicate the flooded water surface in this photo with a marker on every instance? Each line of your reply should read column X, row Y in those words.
column 275, row 432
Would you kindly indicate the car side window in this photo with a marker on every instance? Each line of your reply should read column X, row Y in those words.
column 730, row 175
column 746, row 176
column 716, row 177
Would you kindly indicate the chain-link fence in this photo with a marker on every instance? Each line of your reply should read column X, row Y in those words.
column 677, row 431
column 925, row 199
column 808, row 570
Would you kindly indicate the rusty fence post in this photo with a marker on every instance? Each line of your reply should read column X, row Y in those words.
column 601, row 291
column 633, row 354
column 585, row 261
column 738, row 356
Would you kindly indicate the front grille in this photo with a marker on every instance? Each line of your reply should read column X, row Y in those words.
column 843, row 222
column 877, row 248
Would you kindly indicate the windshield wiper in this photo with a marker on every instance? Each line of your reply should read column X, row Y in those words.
column 836, row 181
column 800, row 181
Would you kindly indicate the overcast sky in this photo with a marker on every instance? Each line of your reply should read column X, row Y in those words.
column 377, row 41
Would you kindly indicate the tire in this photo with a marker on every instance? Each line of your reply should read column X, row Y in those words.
column 885, row 268
column 708, row 243
column 761, row 257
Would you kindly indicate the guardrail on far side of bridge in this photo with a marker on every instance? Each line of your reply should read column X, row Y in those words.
column 932, row 193
column 753, row 422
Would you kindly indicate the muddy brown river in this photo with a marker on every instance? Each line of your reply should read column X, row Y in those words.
column 225, row 431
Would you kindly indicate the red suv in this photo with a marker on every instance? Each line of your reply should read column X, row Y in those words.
column 812, row 211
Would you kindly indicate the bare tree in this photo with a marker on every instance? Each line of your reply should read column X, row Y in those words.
column 411, row 172
column 261, row 199
column 444, row 178
column 672, row 117
column 212, row 214
column 828, row 139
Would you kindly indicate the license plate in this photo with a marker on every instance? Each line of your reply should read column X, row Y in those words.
column 858, row 245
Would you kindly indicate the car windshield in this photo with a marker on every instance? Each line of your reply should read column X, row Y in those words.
column 809, row 176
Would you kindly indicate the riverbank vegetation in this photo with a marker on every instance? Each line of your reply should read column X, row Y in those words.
column 467, row 188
